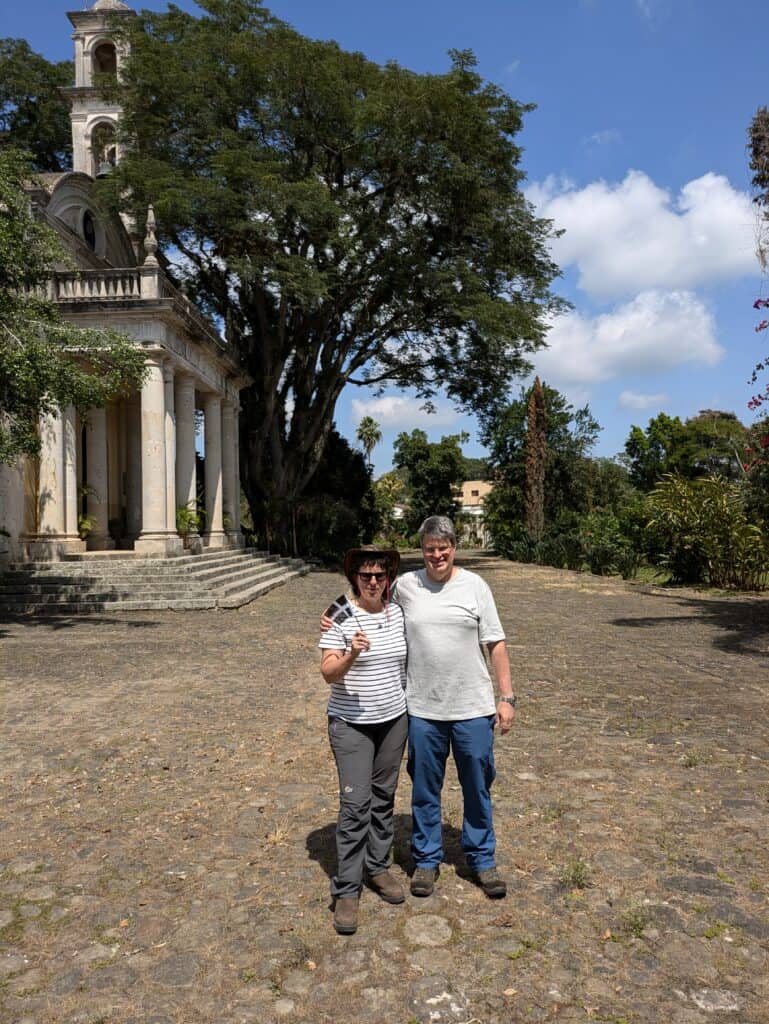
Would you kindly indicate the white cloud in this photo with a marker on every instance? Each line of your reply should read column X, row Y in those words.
column 634, row 400
column 653, row 333
column 603, row 138
column 513, row 66
column 397, row 411
column 633, row 235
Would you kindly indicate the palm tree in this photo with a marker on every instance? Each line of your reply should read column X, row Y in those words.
column 369, row 435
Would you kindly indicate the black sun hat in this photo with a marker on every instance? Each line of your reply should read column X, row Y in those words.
column 356, row 557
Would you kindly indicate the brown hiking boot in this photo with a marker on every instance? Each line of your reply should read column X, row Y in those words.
column 346, row 915
column 494, row 887
column 423, row 881
column 387, row 887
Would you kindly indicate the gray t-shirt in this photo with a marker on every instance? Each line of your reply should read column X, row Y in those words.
column 446, row 623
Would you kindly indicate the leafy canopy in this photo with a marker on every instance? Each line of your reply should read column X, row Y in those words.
column 712, row 442
column 435, row 471
column 349, row 222
column 34, row 116
column 45, row 363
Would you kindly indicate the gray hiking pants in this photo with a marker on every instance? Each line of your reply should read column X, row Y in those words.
column 368, row 760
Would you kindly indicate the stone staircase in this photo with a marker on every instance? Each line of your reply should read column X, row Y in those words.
column 118, row 581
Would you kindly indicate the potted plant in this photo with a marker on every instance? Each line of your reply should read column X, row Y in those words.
column 188, row 521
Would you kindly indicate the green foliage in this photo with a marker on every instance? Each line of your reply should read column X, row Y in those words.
column 188, row 519
column 535, row 461
column 635, row 919
column 604, row 547
column 369, row 435
column 569, row 435
column 575, row 875
column 388, row 491
column 435, row 470
column 710, row 443
column 756, row 481
column 34, row 116
column 350, row 221
column 476, row 469
column 758, row 148
column 85, row 524
column 337, row 511
column 707, row 535
column 45, row 363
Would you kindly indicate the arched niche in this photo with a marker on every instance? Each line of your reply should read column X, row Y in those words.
column 103, row 146
column 72, row 204
column 104, row 58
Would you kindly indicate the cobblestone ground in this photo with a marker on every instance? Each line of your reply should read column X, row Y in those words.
column 168, row 804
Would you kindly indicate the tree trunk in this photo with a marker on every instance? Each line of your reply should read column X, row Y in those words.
column 536, row 445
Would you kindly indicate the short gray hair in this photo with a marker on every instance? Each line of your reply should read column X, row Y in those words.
column 438, row 526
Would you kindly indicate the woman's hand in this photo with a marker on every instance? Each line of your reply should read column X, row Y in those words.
column 325, row 623
column 360, row 642
column 334, row 664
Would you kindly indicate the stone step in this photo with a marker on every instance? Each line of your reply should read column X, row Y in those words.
column 228, row 579
column 165, row 573
column 76, row 592
column 241, row 597
column 127, row 605
column 242, row 572
column 157, row 568
column 131, row 563
column 15, row 582
column 253, row 569
column 211, row 575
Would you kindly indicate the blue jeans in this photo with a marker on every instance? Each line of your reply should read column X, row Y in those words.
column 471, row 743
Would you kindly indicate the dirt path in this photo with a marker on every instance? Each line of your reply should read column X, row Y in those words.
column 168, row 801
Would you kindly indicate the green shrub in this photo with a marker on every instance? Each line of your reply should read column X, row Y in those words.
column 707, row 535
column 603, row 544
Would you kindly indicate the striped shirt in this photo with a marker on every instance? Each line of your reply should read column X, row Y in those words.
column 373, row 689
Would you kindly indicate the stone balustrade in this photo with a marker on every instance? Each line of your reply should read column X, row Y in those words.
column 96, row 285
column 145, row 283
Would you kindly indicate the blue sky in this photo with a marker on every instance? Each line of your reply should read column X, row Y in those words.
column 636, row 149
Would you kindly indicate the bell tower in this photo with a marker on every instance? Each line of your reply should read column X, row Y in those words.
column 94, row 120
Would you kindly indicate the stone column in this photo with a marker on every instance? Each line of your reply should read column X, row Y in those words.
column 185, row 440
column 155, row 538
column 212, row 407
column 133, row 482
column 50, row 492
column 228, row 469
column 168, row 384
column 71, row 498
column 97, row 500
column 236, row 445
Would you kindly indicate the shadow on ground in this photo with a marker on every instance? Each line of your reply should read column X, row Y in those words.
column 54, row 623
column 743, row 625
column 321, row 846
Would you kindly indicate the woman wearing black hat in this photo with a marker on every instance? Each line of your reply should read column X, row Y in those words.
column 364, row 660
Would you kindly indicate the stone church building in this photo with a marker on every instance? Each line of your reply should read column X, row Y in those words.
column 127, row 468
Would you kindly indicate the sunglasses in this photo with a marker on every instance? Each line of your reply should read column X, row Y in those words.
column 367, row 577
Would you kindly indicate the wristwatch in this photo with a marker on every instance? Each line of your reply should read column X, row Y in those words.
column 512, row 701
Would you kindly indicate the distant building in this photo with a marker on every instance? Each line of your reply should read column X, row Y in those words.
column 471, row 498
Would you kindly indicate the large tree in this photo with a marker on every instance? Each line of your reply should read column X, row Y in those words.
column 435, row 472
column 758, row 149
column 369, row 435
column 45, row 363
column 536, row 461
column 348, row 222
column 710, row 442
column 569, row 437
column 34, row 116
